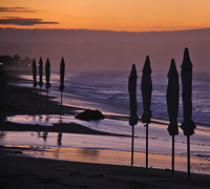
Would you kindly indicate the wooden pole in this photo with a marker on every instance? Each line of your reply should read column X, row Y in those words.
column 146, row 145
column 188, row 156
column 172, row 166
column 132, row 145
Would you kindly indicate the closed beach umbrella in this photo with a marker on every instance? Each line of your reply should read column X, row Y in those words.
column 172, row 99
column 133, row 104
column 47, row 75
column 40, row 72
column 188, row 125
column 146, row 89
column 34, row 72
column 62, row 74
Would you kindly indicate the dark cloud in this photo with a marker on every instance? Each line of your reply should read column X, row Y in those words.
column 15, row 9
column 23, row 21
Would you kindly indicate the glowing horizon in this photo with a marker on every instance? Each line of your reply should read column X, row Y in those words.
column 117, row 15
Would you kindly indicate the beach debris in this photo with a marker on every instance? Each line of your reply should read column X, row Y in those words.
column 133, row 119
column 188, row 125
column 146, row 90
column 62, row 74
column 47, row 77
column 89, row 114
column 172, row 98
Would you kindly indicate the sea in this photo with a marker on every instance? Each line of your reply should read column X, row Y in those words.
column 107, row 91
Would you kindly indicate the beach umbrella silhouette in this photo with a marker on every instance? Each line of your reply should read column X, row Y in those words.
column 62, row 73
column 188, row 125
column 133, row 105
column 34, row 71
column 146, row 89
column 172, row 98
column 47, row 76
column 40, row 76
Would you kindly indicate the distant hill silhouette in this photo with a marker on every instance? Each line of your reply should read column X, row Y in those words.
column 87, row 50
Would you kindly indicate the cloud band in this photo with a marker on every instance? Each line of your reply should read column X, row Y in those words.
column 23, row 21
column 15, row 9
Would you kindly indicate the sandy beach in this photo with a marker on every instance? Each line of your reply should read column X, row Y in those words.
column 20, row 169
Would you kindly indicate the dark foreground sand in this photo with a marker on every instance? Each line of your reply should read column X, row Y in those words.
column 22, row 172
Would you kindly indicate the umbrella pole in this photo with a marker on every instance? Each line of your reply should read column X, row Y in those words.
column 40, row 96
column 47, row 98
column 172, row 154
column 132, row 145
column 61, row 101
column 35, row 96
column 146, row 145
column 188, row 155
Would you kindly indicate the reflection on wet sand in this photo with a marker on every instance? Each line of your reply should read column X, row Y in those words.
column 2, row 135
column 200, row 164
column 106, row 149
column 90, row 153
column 59, row 139
column 45, row 135
column 57, row 153
column 42, row 135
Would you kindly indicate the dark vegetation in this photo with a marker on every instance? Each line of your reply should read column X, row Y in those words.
column 15, row 62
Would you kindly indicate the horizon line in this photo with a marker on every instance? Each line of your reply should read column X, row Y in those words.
column 100, row 30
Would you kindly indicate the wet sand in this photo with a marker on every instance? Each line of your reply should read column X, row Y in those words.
column 18, row 171
column 62, row 127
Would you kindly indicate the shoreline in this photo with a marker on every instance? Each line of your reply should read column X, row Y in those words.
column 69, row 109
column 26, row 101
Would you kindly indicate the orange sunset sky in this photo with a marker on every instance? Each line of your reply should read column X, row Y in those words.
column 116, row 15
